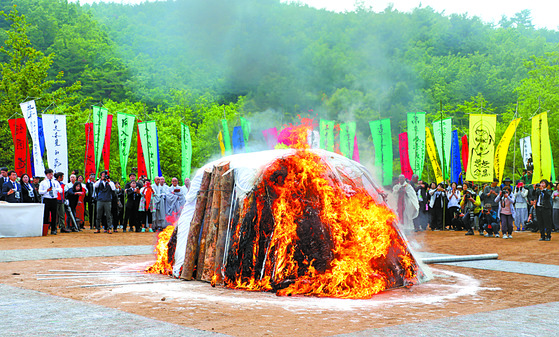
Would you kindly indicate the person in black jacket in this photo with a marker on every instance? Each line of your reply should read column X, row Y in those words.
column 89, row 201
column 3, row 178
column 73, row 195
column 11, row 190
column 544, row 205
column 133, row 197
column 117, row 206
column 29, row 194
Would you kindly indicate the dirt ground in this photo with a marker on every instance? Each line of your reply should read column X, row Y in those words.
column 452, row 291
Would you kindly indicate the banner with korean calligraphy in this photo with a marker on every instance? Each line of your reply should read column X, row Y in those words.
column 22, row 159
column 186, row 151
column 456, row 165
column 442, row 130
column 89, row 151
column 465, row 152
column 404, row 155
column 226, row 137
column 245, row 125
column 56, row 142
column 344, row 140
column 525, row 150
column 416, row 141
column 271, row 137
column 148, row 137
column 31, row 119
column 482, row 148
column 541, row 148
column 326, row 130
column 238, row 140
column 382, row 142
column 125, row 125
column 432, row 152
column 140, row 156
column 107, row 143
column 503, row 148
column 100, row 116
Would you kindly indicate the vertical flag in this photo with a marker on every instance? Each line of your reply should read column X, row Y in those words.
column 41, row 136
column 525, row 150
column 382, row 141
column 148, row 137
column 89, row 151
column 159, row 173
column 142, row 171
column 503, row 148
column 482, row 148
column 31, row 119
column 238, row 140
column 22, row 162
column 326, row 135
column 56, row 142
column 432, row 151
column 344, row 140
column 416, row 141
column 99, row 130
column 456, row 165
column 351, row 137
column 355, row 150
column 186, row 151
column 221, row 145
column 443, row 138
column 245, row 125
column 226, row 137
column 107, row 143
column 404, row 155
column 125, row 124
column 541, row 148
column 271, row 137
column 465, row 152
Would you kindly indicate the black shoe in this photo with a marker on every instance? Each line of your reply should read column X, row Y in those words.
column 470, row 232
column 64, row 230
column 547, row 239
column 542, row 239
column 52, row 232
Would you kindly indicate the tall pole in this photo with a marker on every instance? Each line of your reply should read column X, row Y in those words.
column 514, row 156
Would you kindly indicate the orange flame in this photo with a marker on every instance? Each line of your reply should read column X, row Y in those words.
column 361, row 251
column 162, row 266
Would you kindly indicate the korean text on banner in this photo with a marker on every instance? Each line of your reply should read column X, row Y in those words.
column 186, row 151
column 503, row 148
column 22, row 158
column 442, row 130
column 382, row 141
column 56, row 142
column 525, row 150
column 432, row 151
column 456, row 165
column 416, row 141
column 100, row 116
column 148, row 136
column 541, row 148
column 107, row 143
column 89, row 151
column 125, row 124
column 30, row 114
column 326, row 128
column 482, row 148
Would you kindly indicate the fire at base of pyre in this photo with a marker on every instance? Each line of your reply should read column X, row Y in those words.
column 165, row 252
column 304, row 229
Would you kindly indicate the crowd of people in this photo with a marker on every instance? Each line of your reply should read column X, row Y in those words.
column 100, row 202
column 494, row 210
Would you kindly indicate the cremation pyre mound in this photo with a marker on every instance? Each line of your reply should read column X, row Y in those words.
column 305, row 228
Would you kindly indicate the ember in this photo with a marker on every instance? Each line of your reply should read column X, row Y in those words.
column 163, row 265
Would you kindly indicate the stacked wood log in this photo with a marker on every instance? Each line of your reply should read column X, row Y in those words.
column 226, row 187
column 205, row 227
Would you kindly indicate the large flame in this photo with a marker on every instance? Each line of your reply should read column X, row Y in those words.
column 162, row 265
column 304, row 232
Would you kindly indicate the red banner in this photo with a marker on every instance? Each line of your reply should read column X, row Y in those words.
column 271, row 136
column 107, row 145
column 141, row 162
column 22, row 162
column 465, row 152
column 89, row 151
column 355, row 150
column 404, row 156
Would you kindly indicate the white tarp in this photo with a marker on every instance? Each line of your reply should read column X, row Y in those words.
column 20, row 220
column 56, row 142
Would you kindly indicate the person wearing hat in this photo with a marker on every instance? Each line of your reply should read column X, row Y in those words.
column 520, row 196
column 489, row 221
column 507, row 182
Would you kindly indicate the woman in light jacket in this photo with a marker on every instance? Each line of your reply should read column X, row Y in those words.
column 506, row 211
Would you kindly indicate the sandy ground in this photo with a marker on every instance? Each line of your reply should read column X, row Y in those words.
column 453, row 290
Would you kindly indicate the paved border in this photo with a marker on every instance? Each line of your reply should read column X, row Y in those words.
column 32, row 313
column 14, row 255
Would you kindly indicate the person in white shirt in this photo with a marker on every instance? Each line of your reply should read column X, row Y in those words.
column 49, row 189
column 104, row 188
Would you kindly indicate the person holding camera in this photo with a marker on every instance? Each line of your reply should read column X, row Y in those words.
column 506, row 211
column 453, row 206
column 489, row 221
column 520, row 197
column 544, row 207
column 555, row 197
column 104, row 188
column 436, row 205
column 470, row 206
column 491, row 192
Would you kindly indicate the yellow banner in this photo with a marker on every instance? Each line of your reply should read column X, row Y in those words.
column 482, row 148
column 541, row 148
column 221, row 145
column 503, row 149
column 432, row 151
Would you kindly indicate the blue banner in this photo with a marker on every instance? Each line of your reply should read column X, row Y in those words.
column 238, row 140
column 158, row 160
column 41, row 136
column 32, row 164
column 456, row 168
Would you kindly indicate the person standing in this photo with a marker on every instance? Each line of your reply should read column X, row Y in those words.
column 186, row 187
column 90, row 200
column 133, row 197
column 506, row 211
column 161, row 189
column 29, row 193
column 104, row 188
column 555, row 197
column 408, row 205
column 3, row 179
column 453, row 197
column 60, row 207
column 436, row 205
column 521, row 206
column 132, row 178
column 146, row 206
column 117, row 206
column 49, row 189
column 75, row 196
column 471, row 207
column 11, row 190
column 544, row 206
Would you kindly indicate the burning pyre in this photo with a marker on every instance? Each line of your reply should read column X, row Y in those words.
column 164, row 251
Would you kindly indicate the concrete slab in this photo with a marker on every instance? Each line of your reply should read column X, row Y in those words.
column 14, row 255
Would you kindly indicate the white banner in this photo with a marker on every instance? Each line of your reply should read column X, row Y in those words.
column 56, row 142
column 31, row 119
column 525, row 149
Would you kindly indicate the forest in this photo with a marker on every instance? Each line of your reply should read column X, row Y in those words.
column 197, row 62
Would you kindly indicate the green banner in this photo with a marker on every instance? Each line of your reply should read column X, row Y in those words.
column 442, row 131
column 245, row 125
column 99, row 130
column 327, row 135
column 148, row 137
column 226, row 137
column 351, row 129
column 382, row 141
column 125, row 130
column 186, row 151
column 344, row 146
column 416, row 141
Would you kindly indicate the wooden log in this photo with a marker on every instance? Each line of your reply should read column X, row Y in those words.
column 205, row 227
column 195, row 226
column 226, row 187
column 209, row 258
